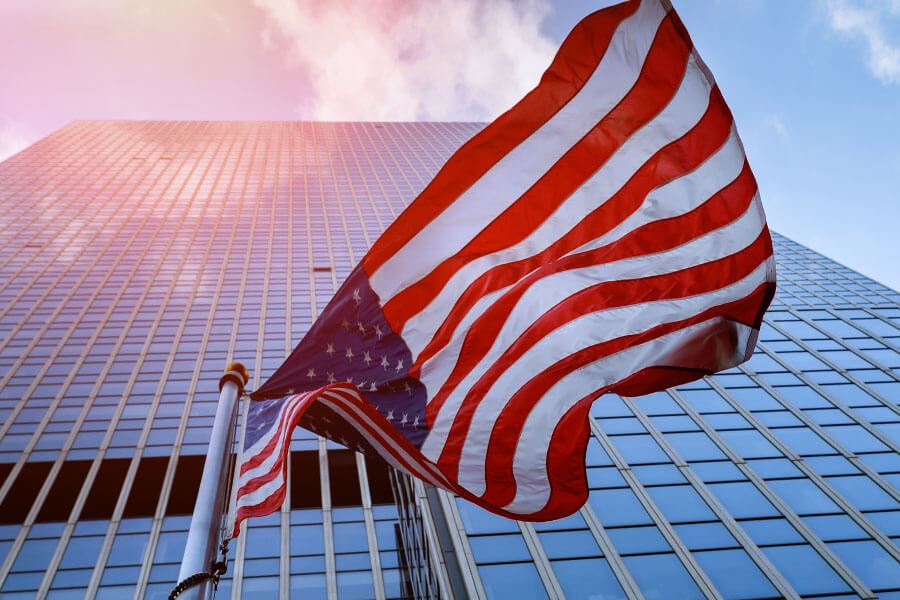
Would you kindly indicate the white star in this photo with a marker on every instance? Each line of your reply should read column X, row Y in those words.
column 399, row 365
column 345, row 324
column 390, row 415
column 404, row 420
column 384, row 362
column 367, row 358
column 373, row 387
column 311, row 373
column 359, row 326
column 350, row 380
column 362, row 384
column 349, row 353
column 378, row 331
column 331, row 378
column 416, row 421
column 329, row 349
column 356, row 295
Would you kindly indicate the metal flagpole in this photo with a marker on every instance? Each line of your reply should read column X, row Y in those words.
column 206, row 522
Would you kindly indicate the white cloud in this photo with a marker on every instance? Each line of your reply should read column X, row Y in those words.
column 413, row 60
column 866, row 21
column 775, row 124
column 13, row 138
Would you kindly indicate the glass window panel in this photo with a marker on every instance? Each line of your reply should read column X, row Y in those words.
column 771, row 531
column 717, row 471
column 659, row 403
column 804, row 441
column 569, row 544
column 264, row 541
column 804, row 397
column 639, row 449
column 863, row 493
column 743, row 500
column 590, row 579
column 831, row 465
column 805, row 570
column 662, row 576
column 870, row 562
column 680, row 504
column 605, row 477
column 734, row 574
column 618, row 507
column 755, row 399
column 704, row 536
column 82, row 552
column 260, row 588
column 308, row 587
column 499, row 548
column 835, row 527
column 706, row 401
column 350, row 537
column 35, row 555
column 855, row 439
column 638, row 540
column 515, row 580
column 307, row 539
column 477, row 520
column 750, row 443
column 658, row 474
column 170, row 547
column 128, row 549
column 694, row 446
column 888, row 522
column 803, row 496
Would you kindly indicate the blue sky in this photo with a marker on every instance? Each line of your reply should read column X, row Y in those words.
column 815, row 90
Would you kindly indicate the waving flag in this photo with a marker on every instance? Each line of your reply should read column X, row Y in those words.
column 605, row 234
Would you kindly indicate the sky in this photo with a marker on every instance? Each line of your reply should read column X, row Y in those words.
column 814, row 84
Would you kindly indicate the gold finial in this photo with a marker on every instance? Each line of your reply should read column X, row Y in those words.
column 237, row 373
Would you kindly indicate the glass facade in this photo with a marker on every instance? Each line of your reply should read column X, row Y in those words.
column 138, row 258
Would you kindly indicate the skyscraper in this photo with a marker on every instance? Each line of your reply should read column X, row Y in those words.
column 139, row 258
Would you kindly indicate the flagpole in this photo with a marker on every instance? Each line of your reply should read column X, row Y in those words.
column 206, row 522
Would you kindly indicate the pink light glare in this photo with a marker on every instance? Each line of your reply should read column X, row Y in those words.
column 271, row 59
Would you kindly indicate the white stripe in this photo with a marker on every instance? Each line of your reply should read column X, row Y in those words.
column 262, row 493
column 583, row 332
column 260, row 444
column 672, row 199
column 521, row 167
column 546, row 292
column 530, row 460
column 683, row 112
column 296, row 404
column 360, row 415
column 386, row 447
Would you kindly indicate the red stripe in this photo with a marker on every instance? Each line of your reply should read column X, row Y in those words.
column 290, row 405
column 501, row 485
column 575, row 61
column 264, row 508
column 692, row 281
column 385, row 429
column 660, row 77
column 675, row 160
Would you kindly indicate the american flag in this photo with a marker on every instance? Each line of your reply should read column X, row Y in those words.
column 603, row 235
